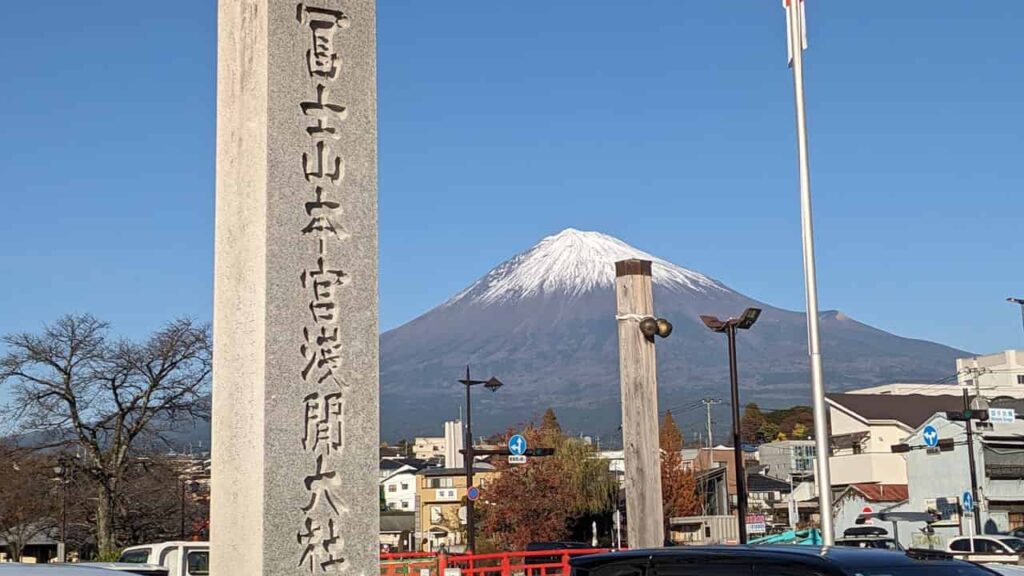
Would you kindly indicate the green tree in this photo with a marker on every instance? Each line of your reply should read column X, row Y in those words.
column 751, row 423
column 542, row 499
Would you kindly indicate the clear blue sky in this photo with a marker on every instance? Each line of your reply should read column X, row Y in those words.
column 666, row 123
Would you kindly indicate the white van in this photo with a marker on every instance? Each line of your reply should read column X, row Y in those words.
column 180, row 558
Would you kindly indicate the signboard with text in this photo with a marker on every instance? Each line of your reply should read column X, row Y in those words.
column 756, row 524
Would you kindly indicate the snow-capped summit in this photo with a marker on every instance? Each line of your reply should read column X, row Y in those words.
column 574, row 262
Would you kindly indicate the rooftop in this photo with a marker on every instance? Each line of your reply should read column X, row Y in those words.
column 911, row 410
column 882, row 492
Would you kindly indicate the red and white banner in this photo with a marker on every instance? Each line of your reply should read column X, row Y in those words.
column 789, row 29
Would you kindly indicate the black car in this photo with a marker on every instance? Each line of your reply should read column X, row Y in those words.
column 772, row 561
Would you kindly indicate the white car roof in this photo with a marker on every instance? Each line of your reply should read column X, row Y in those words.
column 52, row 570
column 127, row 567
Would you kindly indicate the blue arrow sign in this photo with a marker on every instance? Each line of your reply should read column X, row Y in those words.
column 931, row 436
column 968, row 501
column 517, row 445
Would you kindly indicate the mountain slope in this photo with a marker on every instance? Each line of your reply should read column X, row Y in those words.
column 543, row 322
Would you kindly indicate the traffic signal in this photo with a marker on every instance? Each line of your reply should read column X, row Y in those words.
column 966, row 415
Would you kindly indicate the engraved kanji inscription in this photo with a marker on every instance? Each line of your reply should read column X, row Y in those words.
column 323, row 164
column 322, row 547
column 322, row 58
column 319, row 486
column 328, row 116
column 325, row 429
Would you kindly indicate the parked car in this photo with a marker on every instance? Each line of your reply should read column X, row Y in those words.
column 868, row 537
column 125, row 568
column 1001, row 549
column 773, row 561
column 179, row 558
column 16, row 569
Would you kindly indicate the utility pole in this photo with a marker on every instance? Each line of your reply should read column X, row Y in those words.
column 974, row 471
column 796, row 36
column 639, row 384
column 708, row 402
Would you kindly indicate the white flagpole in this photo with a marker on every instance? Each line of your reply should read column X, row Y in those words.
column 823, row 477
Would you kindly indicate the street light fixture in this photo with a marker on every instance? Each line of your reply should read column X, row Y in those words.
column 491, row 384
column 1019, row 301
column 729, row 327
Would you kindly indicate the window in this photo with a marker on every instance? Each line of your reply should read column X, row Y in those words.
column 392, row 488
column 960, row 545
column 405, row 485
column 1020, row 378
column 447, row 482
column 135, row 556
column 986, row 546
column 1015, row 544
column 199, row 563
column 405, row 504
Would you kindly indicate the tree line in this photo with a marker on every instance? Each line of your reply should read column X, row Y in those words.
column 101, row 410
column 557, row 498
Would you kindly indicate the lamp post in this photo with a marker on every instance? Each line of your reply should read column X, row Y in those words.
column 492, row 384
column 1019, row 301
column 729, row 327
column 62, row 472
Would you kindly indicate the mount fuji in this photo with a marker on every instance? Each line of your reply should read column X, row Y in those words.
column 543, row 322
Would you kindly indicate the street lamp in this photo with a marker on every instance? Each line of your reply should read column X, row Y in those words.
column 1021, row 302
column 729, row 327
column 492, row 384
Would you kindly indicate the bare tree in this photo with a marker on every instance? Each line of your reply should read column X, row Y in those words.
column 73, row 385
column 27, row 505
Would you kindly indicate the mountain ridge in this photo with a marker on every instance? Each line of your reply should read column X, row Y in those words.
column 543, row 322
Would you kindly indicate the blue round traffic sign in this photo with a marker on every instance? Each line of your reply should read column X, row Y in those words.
column 473, row 493
column 968, row 501
column 931, row 436
column 517, row 445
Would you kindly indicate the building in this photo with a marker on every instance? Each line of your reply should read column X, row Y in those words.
column 440, row 506
column 938, row 479
column 786, row 459
column 397, row 531
column 428, row 448
column 863, row 428
column 763, row 493
column 398, row 483
column 992, row 375
column 858, row 499
column 720, row 457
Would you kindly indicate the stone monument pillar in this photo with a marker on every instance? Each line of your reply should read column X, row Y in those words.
column 295, row 381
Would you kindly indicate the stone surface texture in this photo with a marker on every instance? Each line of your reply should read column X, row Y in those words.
column 295, row 399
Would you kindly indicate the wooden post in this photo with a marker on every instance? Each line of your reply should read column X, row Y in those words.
column 639, row 384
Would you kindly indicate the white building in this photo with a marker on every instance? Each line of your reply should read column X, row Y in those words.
column 398, row 484
column 863, row 428
column 454, row 441
column 781, row 460
column 992, row 375
column 428, row 447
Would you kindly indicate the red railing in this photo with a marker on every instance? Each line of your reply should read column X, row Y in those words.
column 536, row 563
